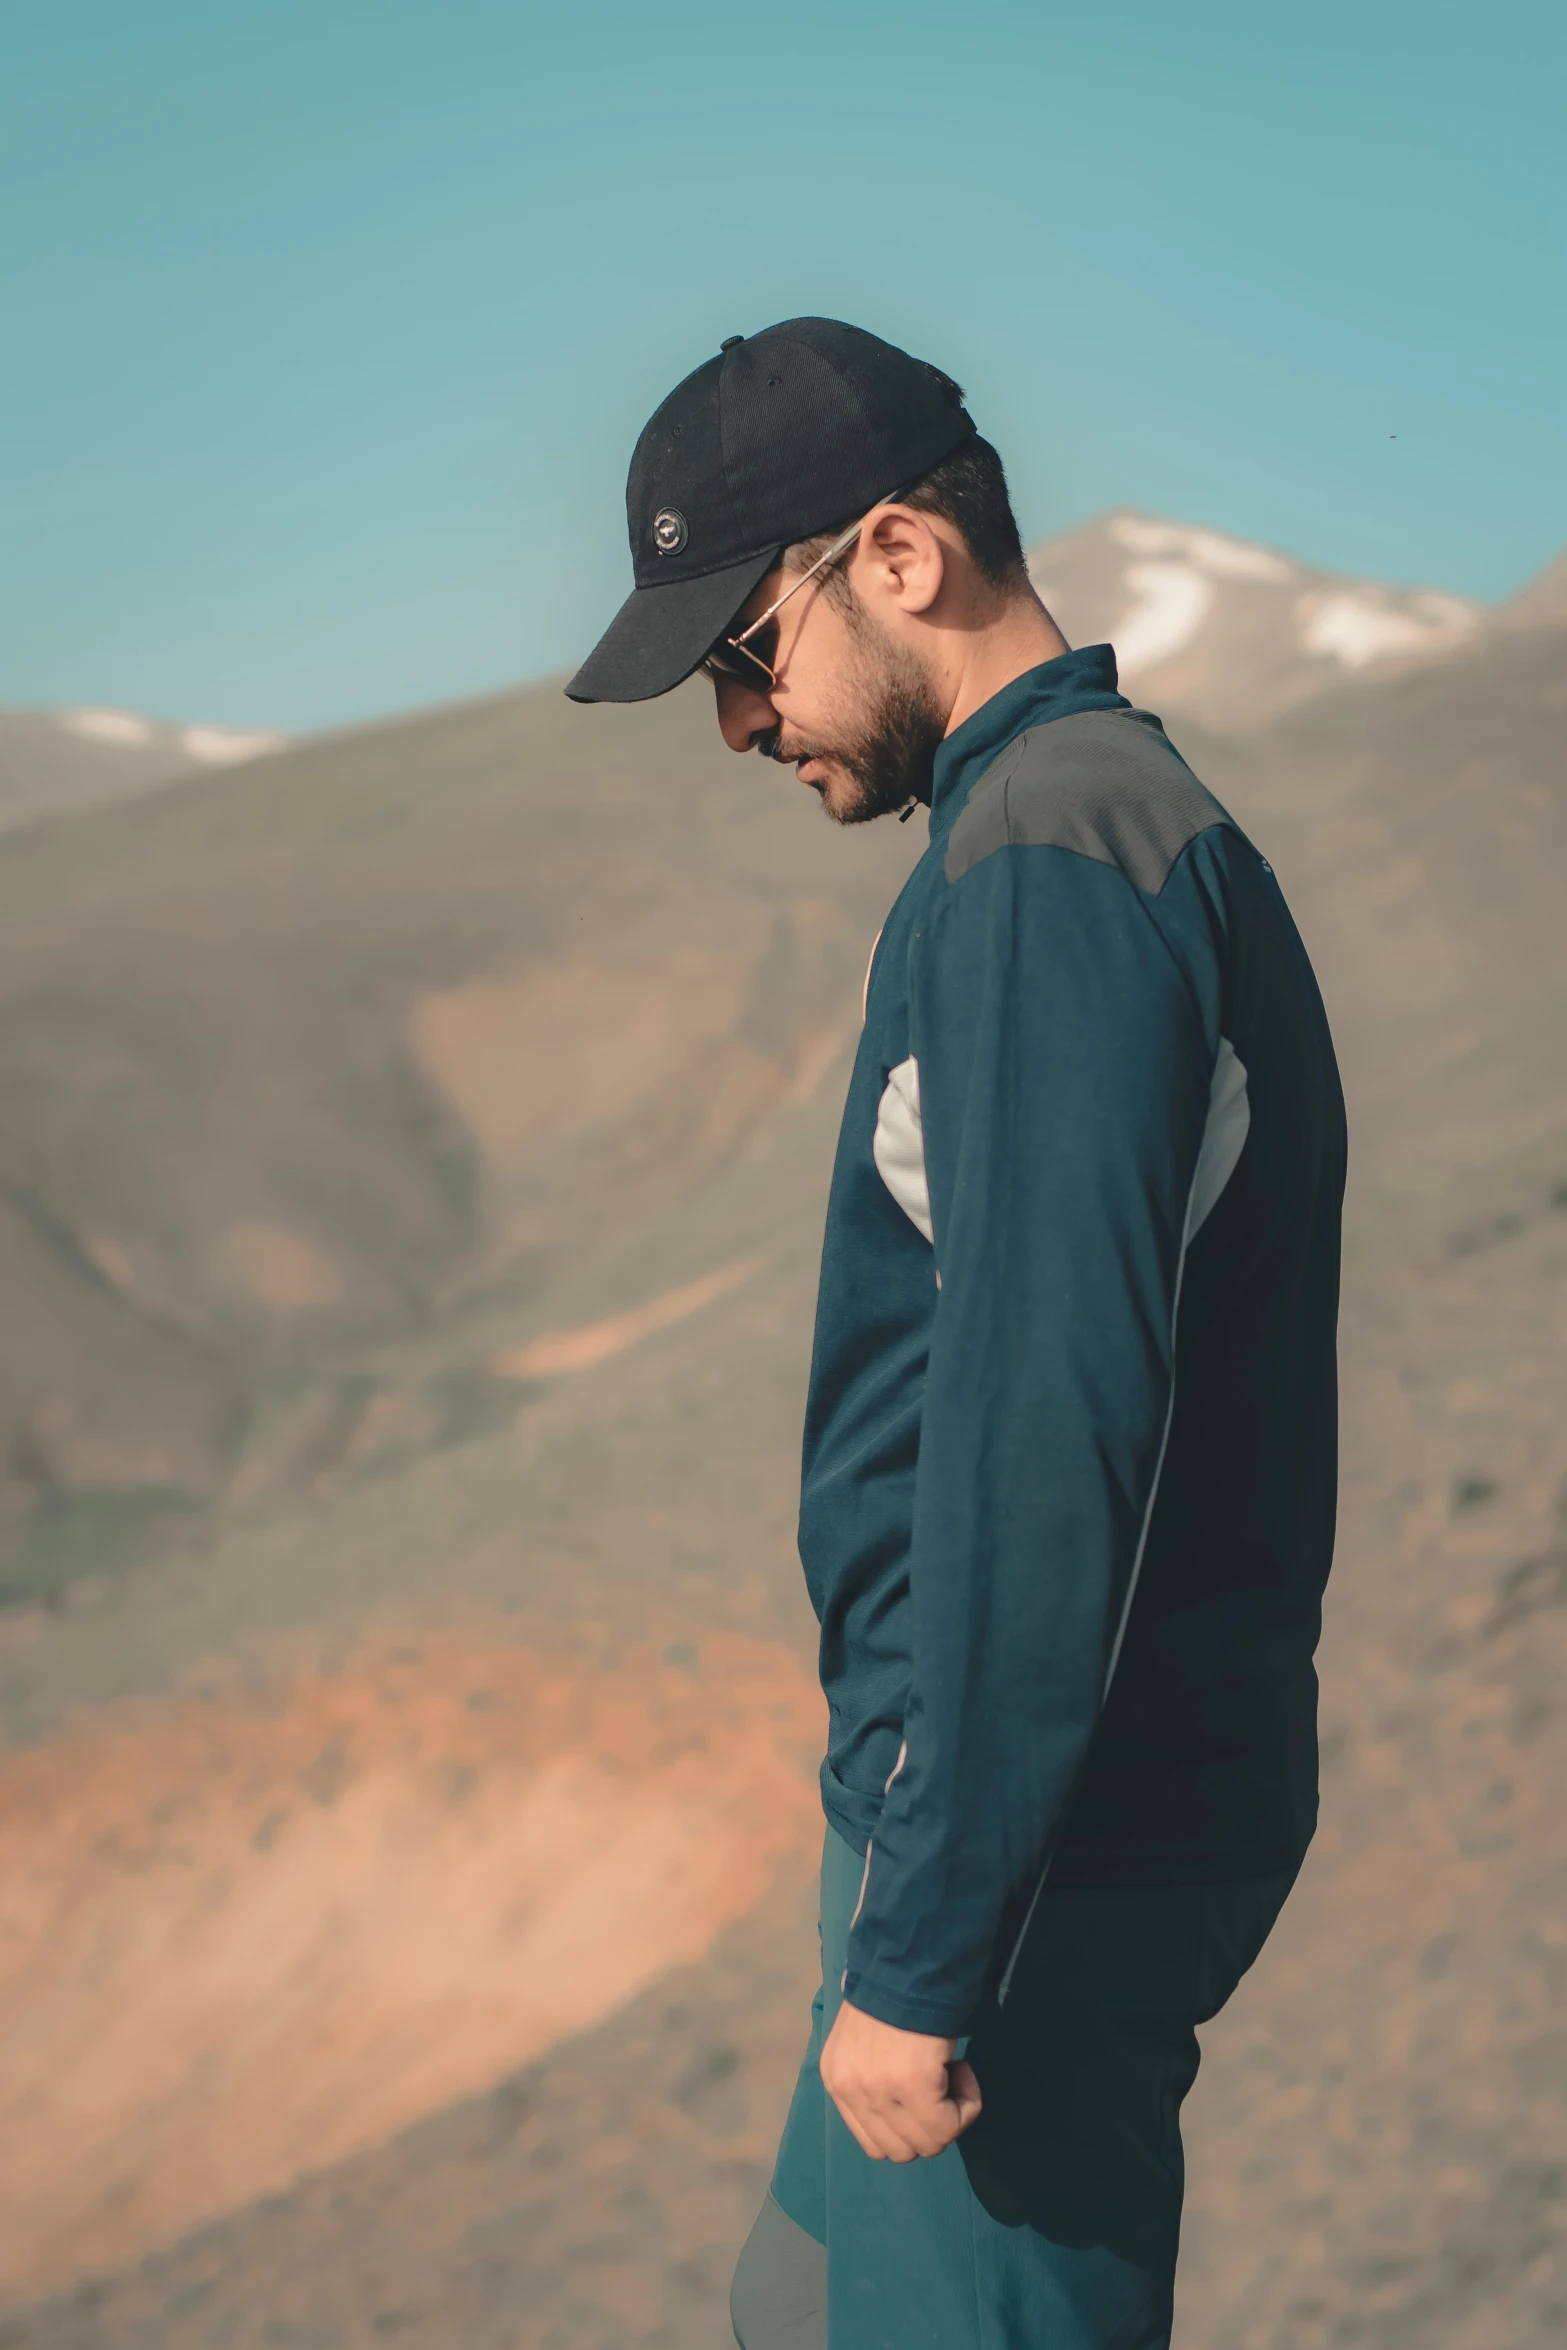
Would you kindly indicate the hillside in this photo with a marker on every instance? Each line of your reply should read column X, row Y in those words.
column 1421, row 825
column 54, row 761
column 319, row 1079
column 413, row 1149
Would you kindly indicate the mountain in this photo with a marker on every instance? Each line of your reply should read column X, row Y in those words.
column 368, row 1054
column 1419, row 824
column 1542, row 603
column 412, row 1156
column 54, row 760
column 1227, row 633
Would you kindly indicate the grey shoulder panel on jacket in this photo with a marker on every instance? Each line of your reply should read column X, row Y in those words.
column 1106, row 784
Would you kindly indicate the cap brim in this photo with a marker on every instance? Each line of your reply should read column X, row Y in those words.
column 659, row 635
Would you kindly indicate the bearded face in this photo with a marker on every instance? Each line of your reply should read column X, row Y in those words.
column 879, row 753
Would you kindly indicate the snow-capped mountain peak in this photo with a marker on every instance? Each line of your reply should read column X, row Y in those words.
column 1225, row 631
column 54, row 760
column 200, row 746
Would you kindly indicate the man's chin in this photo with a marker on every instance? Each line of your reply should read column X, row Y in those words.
column 852, row 803
column 852, row 793
column 842, row 794
column 833, row 785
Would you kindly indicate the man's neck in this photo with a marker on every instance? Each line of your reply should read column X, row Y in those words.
column 1021, row 636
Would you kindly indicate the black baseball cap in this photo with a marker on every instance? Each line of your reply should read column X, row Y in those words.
column 785, row 433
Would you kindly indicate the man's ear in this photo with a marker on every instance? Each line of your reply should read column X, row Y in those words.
column 901, row 557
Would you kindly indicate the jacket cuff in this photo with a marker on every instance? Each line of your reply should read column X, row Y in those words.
column 889, row 2005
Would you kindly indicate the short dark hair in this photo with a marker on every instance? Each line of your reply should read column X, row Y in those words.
column 967, row 489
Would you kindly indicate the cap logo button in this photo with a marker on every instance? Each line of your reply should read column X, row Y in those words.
column 669, row 531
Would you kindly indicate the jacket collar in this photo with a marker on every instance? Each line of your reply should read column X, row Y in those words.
column 1084, row 680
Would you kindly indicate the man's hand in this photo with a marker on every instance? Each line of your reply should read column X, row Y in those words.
column 901, row 2093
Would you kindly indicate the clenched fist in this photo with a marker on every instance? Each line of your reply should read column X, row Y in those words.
column 901, row 2093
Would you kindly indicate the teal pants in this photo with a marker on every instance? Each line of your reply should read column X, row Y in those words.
column 1053, row 2223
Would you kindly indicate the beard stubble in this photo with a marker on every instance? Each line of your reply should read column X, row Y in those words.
column 888, row 751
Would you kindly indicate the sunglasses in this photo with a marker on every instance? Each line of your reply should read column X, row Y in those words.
column 738, row 657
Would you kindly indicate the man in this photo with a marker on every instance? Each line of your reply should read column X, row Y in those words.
column 1070, row 1442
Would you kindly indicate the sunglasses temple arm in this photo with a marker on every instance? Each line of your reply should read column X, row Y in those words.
column 840, row 546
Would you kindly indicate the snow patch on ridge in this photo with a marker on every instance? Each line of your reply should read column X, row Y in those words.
column 207, row 746
column 1172, row 602
column 223, row 746
column 1222, row 558
column 107, row 726
column 1229, row 632
column 1356, row 626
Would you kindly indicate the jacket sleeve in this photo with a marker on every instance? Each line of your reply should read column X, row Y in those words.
column 1065, row 1049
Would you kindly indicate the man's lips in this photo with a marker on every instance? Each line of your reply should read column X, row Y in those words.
column 801, row 761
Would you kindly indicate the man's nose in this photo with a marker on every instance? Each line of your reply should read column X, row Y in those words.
column 744, row 715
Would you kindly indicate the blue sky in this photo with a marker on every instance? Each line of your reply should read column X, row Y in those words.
column 331, row 323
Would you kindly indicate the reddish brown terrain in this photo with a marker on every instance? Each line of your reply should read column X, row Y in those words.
column 255, row 1933
column 410, row 1180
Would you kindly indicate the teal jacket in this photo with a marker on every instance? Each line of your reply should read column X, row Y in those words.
column 1070, row 1445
